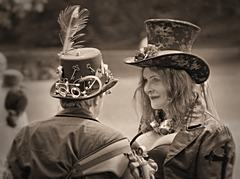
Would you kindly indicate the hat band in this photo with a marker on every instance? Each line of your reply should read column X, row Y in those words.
column 85, row 87
column 151, row 51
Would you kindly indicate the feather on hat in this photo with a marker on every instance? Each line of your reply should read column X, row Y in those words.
column 82, row 73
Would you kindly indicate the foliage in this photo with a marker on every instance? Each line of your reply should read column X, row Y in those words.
column 116, row 23
column 72, row 21
column 11, row 9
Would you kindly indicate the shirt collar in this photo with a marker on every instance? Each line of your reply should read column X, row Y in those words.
column 199, row 121
column 76, row 112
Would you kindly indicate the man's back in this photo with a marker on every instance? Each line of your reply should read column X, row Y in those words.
column 51, row 149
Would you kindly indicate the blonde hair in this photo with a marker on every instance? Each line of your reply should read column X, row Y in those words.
column 180, row 90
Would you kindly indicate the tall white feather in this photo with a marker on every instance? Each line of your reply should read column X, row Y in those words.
column 67, row 42
column 72, row 20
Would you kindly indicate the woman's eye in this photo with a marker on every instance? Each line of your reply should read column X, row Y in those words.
column 155, row 79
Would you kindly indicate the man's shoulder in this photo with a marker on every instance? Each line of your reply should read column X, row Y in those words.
column 80, row 127
column 102, row 130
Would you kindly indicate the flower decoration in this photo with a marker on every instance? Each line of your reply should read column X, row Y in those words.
column 147, row 52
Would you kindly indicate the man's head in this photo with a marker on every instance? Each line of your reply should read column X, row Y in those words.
column 83, row 80
column 93, row 105
column 83, row 77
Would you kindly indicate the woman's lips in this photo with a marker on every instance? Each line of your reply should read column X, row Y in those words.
column 153, row 97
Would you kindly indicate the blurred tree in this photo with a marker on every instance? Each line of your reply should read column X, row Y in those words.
column 37, row 29
column 13, row 11
column 115, row 24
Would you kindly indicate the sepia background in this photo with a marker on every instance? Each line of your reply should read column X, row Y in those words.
column 29, row 37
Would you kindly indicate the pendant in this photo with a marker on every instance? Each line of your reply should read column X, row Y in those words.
column 163, row 128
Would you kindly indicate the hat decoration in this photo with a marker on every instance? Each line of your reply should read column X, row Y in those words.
column 169, row 46
column 82, row 73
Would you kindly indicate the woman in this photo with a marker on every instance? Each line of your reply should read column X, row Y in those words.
column 179, row 126
column 13, row 115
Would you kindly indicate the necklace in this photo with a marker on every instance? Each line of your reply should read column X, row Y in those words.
column 161, row 124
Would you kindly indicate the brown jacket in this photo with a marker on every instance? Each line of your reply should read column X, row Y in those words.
column 53, row 148
column 202, row 150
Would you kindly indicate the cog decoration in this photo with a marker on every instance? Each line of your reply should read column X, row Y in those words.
column 83, row 87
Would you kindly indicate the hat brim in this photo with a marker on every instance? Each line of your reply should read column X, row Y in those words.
column 105, row 87
column 195, row 66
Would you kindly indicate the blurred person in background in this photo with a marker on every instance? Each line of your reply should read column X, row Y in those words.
column 179, row 125
column 74, row 143
column 3, row 66
column 13, row 111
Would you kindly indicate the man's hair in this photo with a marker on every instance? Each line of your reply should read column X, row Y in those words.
column 70, row 103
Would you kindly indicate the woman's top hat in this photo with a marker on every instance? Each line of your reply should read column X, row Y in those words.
column 169, row 46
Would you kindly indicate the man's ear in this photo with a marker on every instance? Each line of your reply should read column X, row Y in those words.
column 97, row 99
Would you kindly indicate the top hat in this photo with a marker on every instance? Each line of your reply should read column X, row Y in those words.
column 82, row 75
column 169, row 46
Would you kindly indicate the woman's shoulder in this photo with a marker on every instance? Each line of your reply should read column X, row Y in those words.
column 216, row 130
column 210, row 127
column 213, row 124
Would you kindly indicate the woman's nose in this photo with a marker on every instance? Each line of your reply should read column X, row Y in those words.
column 147, row 88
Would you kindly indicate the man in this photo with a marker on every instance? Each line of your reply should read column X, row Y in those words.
column 61, row 146
column 73, row 143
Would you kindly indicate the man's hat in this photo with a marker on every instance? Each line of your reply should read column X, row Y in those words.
column 82, row 75
column 169, row 46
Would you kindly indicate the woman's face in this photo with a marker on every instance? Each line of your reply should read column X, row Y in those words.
column 155, row 89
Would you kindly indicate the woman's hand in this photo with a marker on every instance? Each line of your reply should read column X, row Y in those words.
column 140, row 167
